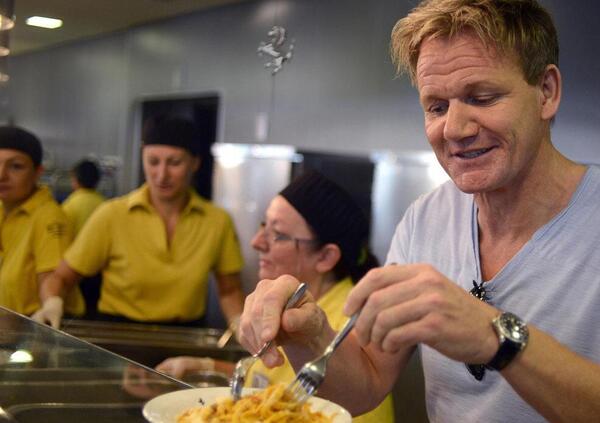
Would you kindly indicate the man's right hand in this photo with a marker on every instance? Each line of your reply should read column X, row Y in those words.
column 264, row 319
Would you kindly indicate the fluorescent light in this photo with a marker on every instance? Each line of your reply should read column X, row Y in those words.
column 44, row 22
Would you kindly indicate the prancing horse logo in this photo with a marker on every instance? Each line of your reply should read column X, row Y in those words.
column 273, row 50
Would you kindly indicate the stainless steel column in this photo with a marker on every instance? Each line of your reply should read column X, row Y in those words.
column 246, row 178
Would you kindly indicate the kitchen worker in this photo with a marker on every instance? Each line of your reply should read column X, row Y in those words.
column 84, row 199
column 34, row 232
column 493, row 277
column 157, row 245
column 78, row 207
column 314, row 231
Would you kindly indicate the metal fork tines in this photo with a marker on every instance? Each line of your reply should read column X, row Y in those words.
column 243, row 365
column 312, row 374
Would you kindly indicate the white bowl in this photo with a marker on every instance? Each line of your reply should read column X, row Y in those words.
column 167, row 407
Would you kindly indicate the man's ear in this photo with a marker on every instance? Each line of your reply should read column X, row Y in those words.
column 551, row 90
column 329, row 256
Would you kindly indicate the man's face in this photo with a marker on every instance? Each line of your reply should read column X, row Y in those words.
column 18, row 177
column 168, row 171
column 482, row 119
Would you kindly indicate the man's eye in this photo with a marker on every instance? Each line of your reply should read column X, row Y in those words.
column 437, row 108
column 483, row 100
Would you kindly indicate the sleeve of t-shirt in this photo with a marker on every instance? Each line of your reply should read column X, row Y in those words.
column 53, row 234
column 90, row 251
column 230, row 258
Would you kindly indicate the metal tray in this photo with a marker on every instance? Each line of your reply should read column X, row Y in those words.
column 151, row 344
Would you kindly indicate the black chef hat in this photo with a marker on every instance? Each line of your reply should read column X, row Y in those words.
column 173, row 131
column 332, row 214
column 16, row 138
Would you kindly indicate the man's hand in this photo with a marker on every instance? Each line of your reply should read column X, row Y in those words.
column 411, row 304
column 263, row 318
column 51, row 312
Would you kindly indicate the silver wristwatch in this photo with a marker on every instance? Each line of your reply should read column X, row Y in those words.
column 513, row 336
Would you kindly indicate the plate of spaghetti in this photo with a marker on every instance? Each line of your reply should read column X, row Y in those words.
column 212, row 405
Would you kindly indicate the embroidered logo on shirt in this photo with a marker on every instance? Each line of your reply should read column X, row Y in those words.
column 57, row 229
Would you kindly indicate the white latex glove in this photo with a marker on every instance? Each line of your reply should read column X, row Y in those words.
column 51, row 312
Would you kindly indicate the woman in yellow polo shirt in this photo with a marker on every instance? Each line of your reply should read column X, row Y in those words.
column 34, row 232
column 314, row 231
column 84, row 199
column 157, row 245
column 78, row 207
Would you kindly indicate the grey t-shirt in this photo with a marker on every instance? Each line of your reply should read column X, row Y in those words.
column 553, row 282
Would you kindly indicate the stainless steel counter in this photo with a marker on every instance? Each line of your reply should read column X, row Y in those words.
column 49, row 376
column 151, row 344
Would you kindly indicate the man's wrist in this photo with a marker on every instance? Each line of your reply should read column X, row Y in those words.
column 513, row 336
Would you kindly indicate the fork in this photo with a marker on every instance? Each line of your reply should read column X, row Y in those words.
column 242, row 366
column 312, row 374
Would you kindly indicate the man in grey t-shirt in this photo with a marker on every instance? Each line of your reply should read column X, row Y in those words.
column 505, row 326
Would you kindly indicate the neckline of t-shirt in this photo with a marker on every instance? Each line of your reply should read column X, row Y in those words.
column 535, row 238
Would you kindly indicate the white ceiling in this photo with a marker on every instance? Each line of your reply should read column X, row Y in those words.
column 89, row 18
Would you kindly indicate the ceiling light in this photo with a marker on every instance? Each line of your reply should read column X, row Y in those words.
column 44, row 22
column 7, row 15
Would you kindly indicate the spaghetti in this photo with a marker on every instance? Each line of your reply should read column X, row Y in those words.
column 272, row 405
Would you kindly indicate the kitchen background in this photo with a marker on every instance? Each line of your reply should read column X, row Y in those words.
column 335, row 105
column 338, row 94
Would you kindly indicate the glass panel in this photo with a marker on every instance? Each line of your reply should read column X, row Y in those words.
column 46, row 374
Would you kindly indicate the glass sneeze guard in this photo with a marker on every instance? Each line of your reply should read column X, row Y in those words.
column 49, row 376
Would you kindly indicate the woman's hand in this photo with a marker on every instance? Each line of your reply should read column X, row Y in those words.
column 179, row 367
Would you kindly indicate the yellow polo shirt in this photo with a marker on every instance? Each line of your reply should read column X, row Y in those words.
column 332, row 304
column 80, row 204
column 144, row 278
column 33, row 239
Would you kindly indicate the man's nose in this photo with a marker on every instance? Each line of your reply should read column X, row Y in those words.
column 459, row 123
column 3, row 172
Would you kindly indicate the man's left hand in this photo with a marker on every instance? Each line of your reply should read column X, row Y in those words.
column 404, row 305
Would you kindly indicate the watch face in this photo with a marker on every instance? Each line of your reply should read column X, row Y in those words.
column 514, row 328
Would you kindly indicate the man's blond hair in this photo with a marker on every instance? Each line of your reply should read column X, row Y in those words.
column 512, row 27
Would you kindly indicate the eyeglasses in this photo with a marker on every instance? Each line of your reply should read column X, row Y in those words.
column 272, row 236
column 479, row 292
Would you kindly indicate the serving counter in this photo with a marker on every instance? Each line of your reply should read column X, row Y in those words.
column 50, row 376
